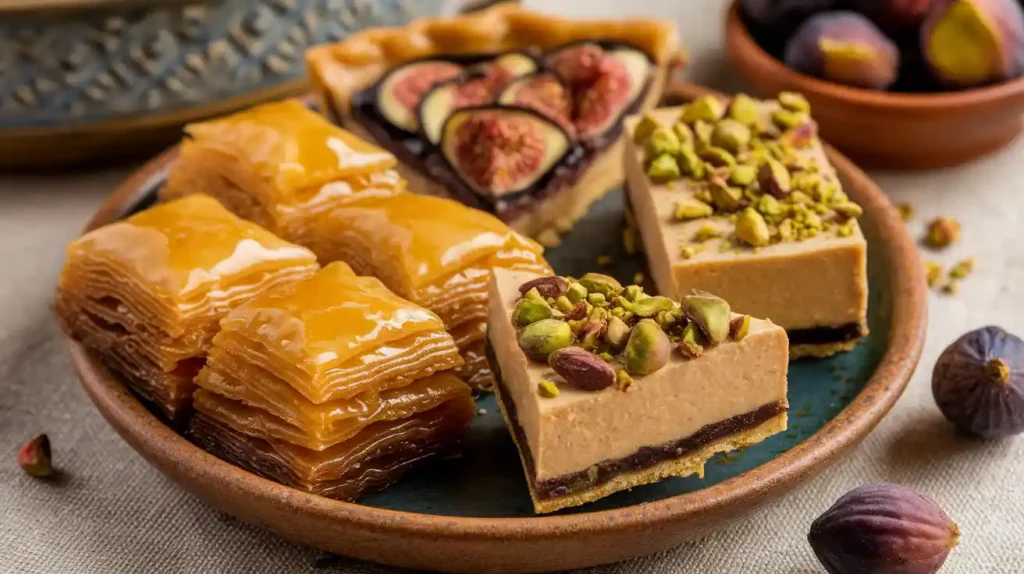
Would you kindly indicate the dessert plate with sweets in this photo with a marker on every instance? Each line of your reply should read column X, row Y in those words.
column 280, row 316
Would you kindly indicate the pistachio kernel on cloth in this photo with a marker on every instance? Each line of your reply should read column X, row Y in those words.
column 740, row 155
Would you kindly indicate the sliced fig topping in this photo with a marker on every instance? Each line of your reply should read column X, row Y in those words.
column 502, row 150
column 605, row 83
column 400, row 92
column 544, row 93
column 445, row 98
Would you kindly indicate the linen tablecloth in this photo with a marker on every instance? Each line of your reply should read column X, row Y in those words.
column 114, row 513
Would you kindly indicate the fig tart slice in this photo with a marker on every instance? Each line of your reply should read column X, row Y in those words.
column 506, row 110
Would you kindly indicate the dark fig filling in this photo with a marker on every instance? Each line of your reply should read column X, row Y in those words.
column 600, row 82
column 646, row 457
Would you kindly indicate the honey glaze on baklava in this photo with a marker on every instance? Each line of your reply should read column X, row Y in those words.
column 146, row 293
column 333, row 385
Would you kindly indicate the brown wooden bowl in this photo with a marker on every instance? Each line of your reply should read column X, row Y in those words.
column 534, row 544
column 884, row 129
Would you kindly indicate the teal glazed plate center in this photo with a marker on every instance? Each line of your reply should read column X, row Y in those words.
column 473, row 513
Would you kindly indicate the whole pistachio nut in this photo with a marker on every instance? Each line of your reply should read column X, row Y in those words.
column 647, row 349
column 576, row 293
column 582, row 369
column 651, row 306
column 617, row 333
column 596, row 299
column 663, row 168
column 739, row 327
column 726, row 197
column 689, row 343
column 530, row 311
column 705, row 108
column 744, row 109
column 712, row 314
column 687, row 209
column 644, row 128
column 730, row 135
column 552, row 286
column 773, row 177
column 752, row 229
column 603, row 284
column 662, row 141
column 540, row 339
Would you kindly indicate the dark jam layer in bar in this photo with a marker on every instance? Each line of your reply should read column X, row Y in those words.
column 646, row 457
column 414, row 151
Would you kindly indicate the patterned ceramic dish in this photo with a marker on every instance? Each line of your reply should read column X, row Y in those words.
column 474, row 514
column 87, row 80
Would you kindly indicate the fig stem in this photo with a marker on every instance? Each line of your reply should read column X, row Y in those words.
column 998, row 371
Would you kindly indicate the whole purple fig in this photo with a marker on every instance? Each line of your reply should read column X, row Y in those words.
column 974, row 42
column 883, row 529
column 978, row 383
column 846, row 48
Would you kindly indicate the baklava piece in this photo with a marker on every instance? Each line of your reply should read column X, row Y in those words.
column 510, row 111
column 434, row 252
column 333, row 385
column 146, row 293
column 279, row 164
column 737, row 198
column 626, row 389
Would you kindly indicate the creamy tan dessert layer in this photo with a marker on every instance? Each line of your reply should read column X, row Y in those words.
column 817, row 282
column 577, row 429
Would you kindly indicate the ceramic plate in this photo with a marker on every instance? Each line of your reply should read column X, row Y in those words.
column 474, row 514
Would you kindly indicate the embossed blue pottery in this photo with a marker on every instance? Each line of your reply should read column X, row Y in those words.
column 85, row 81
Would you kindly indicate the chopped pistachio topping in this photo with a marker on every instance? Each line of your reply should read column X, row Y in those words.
column 933, row 273
column 962, row 269
column 906, row 211
column 735, row 160
column 706, row 232
column 547, row 389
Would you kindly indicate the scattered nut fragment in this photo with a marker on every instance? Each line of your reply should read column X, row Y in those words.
column 951, row 287
column 629, row 241
column 774, row 179
column 689, row 343
column 644, row 128
column 785, row 119
column 730, row 135
column 704, row 233
column 962, row 269
column 942, row 232
column 705, row 108
column 604, row 260
column 35, row 459
column 726, row 198
column 906, row 211
column 638, row 278
column 794, row 102
column 744, row 109
column 662, row 142
column 688, row 209
column 547, row 389
column 933, row 272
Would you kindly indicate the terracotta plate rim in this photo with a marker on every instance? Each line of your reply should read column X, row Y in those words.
column 174, row 455
column 741, row 42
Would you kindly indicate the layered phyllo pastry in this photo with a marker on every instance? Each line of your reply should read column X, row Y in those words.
column 434, row 252
column 279, row 164
column 146, row 293
column 506, row 110
column 606, row 388
column 333, row 385
column 737, row 197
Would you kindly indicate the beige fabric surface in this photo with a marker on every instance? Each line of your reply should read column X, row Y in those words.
column 115, row 513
